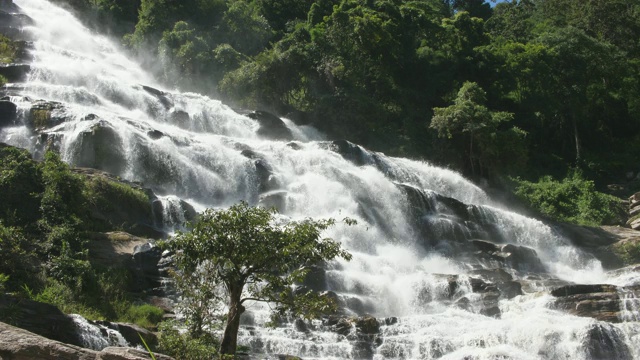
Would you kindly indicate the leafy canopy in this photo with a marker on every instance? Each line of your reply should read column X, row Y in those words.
column 244, row 253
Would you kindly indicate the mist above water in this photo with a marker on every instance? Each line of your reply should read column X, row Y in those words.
column 415, row 220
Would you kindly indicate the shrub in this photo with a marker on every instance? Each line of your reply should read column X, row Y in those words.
column 147, row 316
column 628, row 251
column 20, row 187
column 7, row 51
column 180, row 345
column 574, row 199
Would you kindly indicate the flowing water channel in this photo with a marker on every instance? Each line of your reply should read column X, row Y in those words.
column 423, row 235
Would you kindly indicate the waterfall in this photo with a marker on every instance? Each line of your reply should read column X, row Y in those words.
column 96, row 337
column 448, row 272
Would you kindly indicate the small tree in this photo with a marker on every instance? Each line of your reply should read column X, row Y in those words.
column 246, row 254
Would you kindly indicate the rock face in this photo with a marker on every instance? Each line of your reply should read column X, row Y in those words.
column 15, row 72
column 101, row 148
column 19, row 344
column 8, row 112
column 40, row 318
column 601, row 302
column 271, row 126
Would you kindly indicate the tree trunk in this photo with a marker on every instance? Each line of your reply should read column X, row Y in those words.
column 230, row 337
column 577, row 139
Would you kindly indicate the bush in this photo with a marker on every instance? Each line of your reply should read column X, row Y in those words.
column 180, row 345
column 628, row 251
column 147, row 316
column 574, row 200
column 20, row 187
column 7, row 51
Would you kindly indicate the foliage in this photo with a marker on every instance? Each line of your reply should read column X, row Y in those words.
column 43, row 251
column 181, row 345
column 3, row 80
column 469, row 117
column 144, row 315
column 573, row 199
column 20, row 187
column 628, row 251
column 8, row 51
column 242, row 254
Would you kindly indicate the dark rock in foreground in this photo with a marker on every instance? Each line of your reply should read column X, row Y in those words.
column 19, row 344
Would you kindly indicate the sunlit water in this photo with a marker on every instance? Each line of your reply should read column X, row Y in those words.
column 401, row 246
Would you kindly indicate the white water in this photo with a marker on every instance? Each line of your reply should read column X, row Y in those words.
column 394, row 263
column 97, row 337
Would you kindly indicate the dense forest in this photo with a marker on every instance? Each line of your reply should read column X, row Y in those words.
column 526, row 87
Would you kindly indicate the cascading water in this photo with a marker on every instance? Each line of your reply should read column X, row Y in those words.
column 96, row 337
column 448, row 272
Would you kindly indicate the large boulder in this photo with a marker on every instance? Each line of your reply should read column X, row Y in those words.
column 20, row 344
column 39, row 318
column 114, row 249
column 101, row 148
column 271, row 126
column 8, row 113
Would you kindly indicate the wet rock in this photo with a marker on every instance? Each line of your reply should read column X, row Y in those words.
column 521, row 258
column 604, row 341
column 300, row 325
column 316, row 279
column 173, row 213
column 294, row 145
column 274, row 199
column 267, row 181
column 132, row 333
column 101, row 148
column 160, row 95
column 9, row 6
column 367, row 325
column 155, row 134
column 271, row 126
column 8, row 113
column 390, row 320
column 342, row 327
column 47, row 142
column 45, row 114
column 601, row 302
column 180, row 118
column 349, row 151
column 580, row 289
column 150, row 264
column 485, row 246
column 362, row 350
column 14, row 19
column 15, row 72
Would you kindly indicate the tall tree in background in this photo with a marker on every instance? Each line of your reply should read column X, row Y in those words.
column 469, row 117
